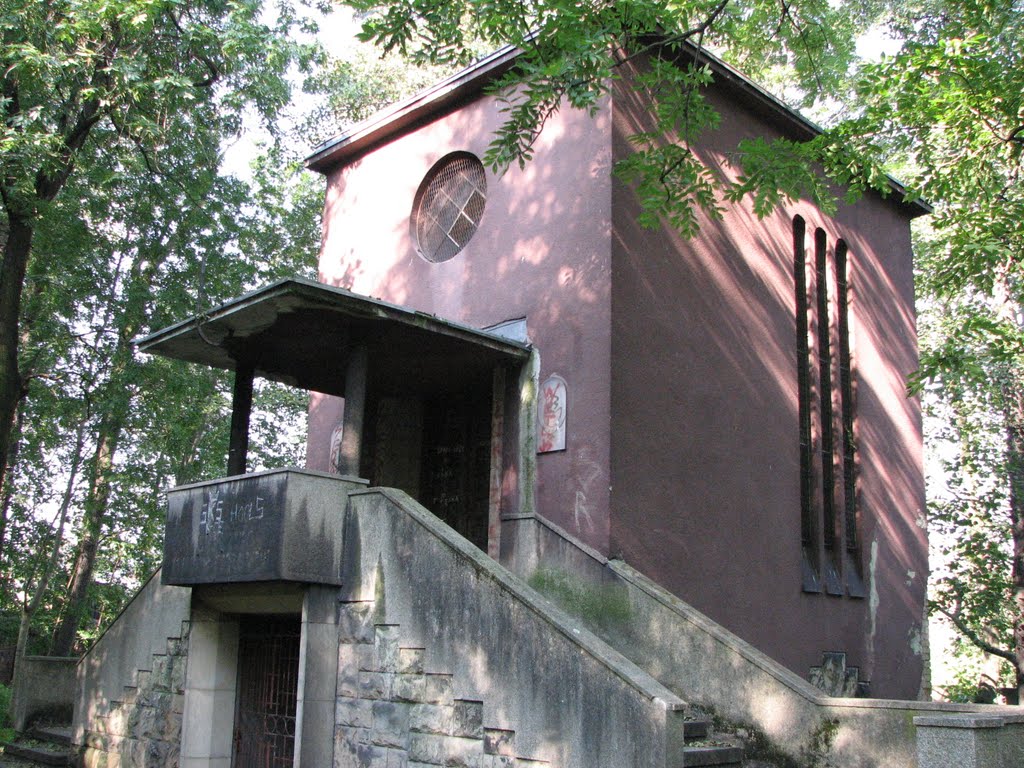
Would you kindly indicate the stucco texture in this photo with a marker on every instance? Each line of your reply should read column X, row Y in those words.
column 705, row 431
column 679, row 355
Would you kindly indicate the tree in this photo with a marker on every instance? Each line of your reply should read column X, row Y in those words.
column 946, row 108
column 137, row 69
column 115, row 264
column 950, row 103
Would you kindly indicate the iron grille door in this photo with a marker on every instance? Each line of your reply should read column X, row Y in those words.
column 268, row 683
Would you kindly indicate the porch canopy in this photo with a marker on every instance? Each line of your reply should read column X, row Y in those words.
column 317, row 337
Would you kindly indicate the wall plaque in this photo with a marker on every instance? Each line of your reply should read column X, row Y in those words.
column 551, row 412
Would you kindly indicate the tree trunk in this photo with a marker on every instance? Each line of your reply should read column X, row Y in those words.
column 6, row 497
column 12, row 279
column 88, row 545
column 1013, row 413
column 111, row 427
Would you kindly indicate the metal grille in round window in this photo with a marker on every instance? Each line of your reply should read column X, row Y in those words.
column 448, row 206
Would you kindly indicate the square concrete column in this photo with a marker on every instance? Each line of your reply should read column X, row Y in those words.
column 970, row 740
column 209, row 717
column 318, row 675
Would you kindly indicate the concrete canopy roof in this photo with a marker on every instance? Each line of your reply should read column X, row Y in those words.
column 302, row 333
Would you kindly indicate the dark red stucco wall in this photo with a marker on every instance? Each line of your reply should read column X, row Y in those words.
column 542, row 252
column 705, row 462
column 682, row 449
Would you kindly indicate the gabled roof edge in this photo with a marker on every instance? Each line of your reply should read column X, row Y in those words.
column 392, row 120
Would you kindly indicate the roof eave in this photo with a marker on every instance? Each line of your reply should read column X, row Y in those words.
column 394, row 120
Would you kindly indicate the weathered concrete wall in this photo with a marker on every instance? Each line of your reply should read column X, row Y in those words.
column 278, row 525
column 570, row 699
column 131, row 682
column 712, row 668
column 43, row 685
column 705, row 424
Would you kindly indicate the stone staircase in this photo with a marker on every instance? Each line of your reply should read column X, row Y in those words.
column 392, row 711
column 143, row 726
column 42, row 745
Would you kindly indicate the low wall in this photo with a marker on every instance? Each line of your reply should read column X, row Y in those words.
column 44, row 686
column 571, row 700
column 790, row 720
column 144, row 648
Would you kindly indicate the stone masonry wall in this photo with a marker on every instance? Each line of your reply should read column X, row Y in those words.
column 392, row 712
column 143, row 728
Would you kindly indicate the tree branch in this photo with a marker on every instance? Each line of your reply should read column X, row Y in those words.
column 977, row 640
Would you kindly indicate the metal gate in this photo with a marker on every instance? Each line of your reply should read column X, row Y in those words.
column 268, row 684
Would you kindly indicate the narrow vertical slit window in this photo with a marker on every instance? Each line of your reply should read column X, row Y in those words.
column 830, row 535
column 827, row 454
column 808, row 528
column 847, row 390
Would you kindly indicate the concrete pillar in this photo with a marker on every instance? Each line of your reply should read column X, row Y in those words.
column 970, row 740
column 318, row 675
column 209, row 717
column 241, row 410
column 355, row 411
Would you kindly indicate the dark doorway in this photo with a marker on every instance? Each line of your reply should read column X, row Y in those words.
column 268, row 684
column 436, row 448
column 457, row 464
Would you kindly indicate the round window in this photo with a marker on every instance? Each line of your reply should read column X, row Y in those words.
column 448, row 206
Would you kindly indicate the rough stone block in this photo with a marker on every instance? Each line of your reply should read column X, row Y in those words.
column 178, row 703
column 390, row 726
column 468, row 719
column 172, row 727
column 354, row 712
column 348, row 671
column 161, row 671
column 410, row 661
column 397, row 758
column 497, row 761
column 498, row 741
column 352, row 734
column 385, row 646
column 427, row 748
column 354, row 624
column 375, row 685
column 350, row 754
column 178, row 671
column 431, row 718
column 409, row 687
column 438, row 689
column 462, row 752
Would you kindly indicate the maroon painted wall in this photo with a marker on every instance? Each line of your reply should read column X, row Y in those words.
column 682, row 452
column 542, row 252
column 705, row 434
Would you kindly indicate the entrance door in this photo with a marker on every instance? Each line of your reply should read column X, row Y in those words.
column 457, row 463
column 268, row 684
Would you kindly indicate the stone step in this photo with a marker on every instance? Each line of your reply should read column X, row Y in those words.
column 40, row 754
column 59, row 735
column 731, row 757
column 696, row 729
column 702, row 748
